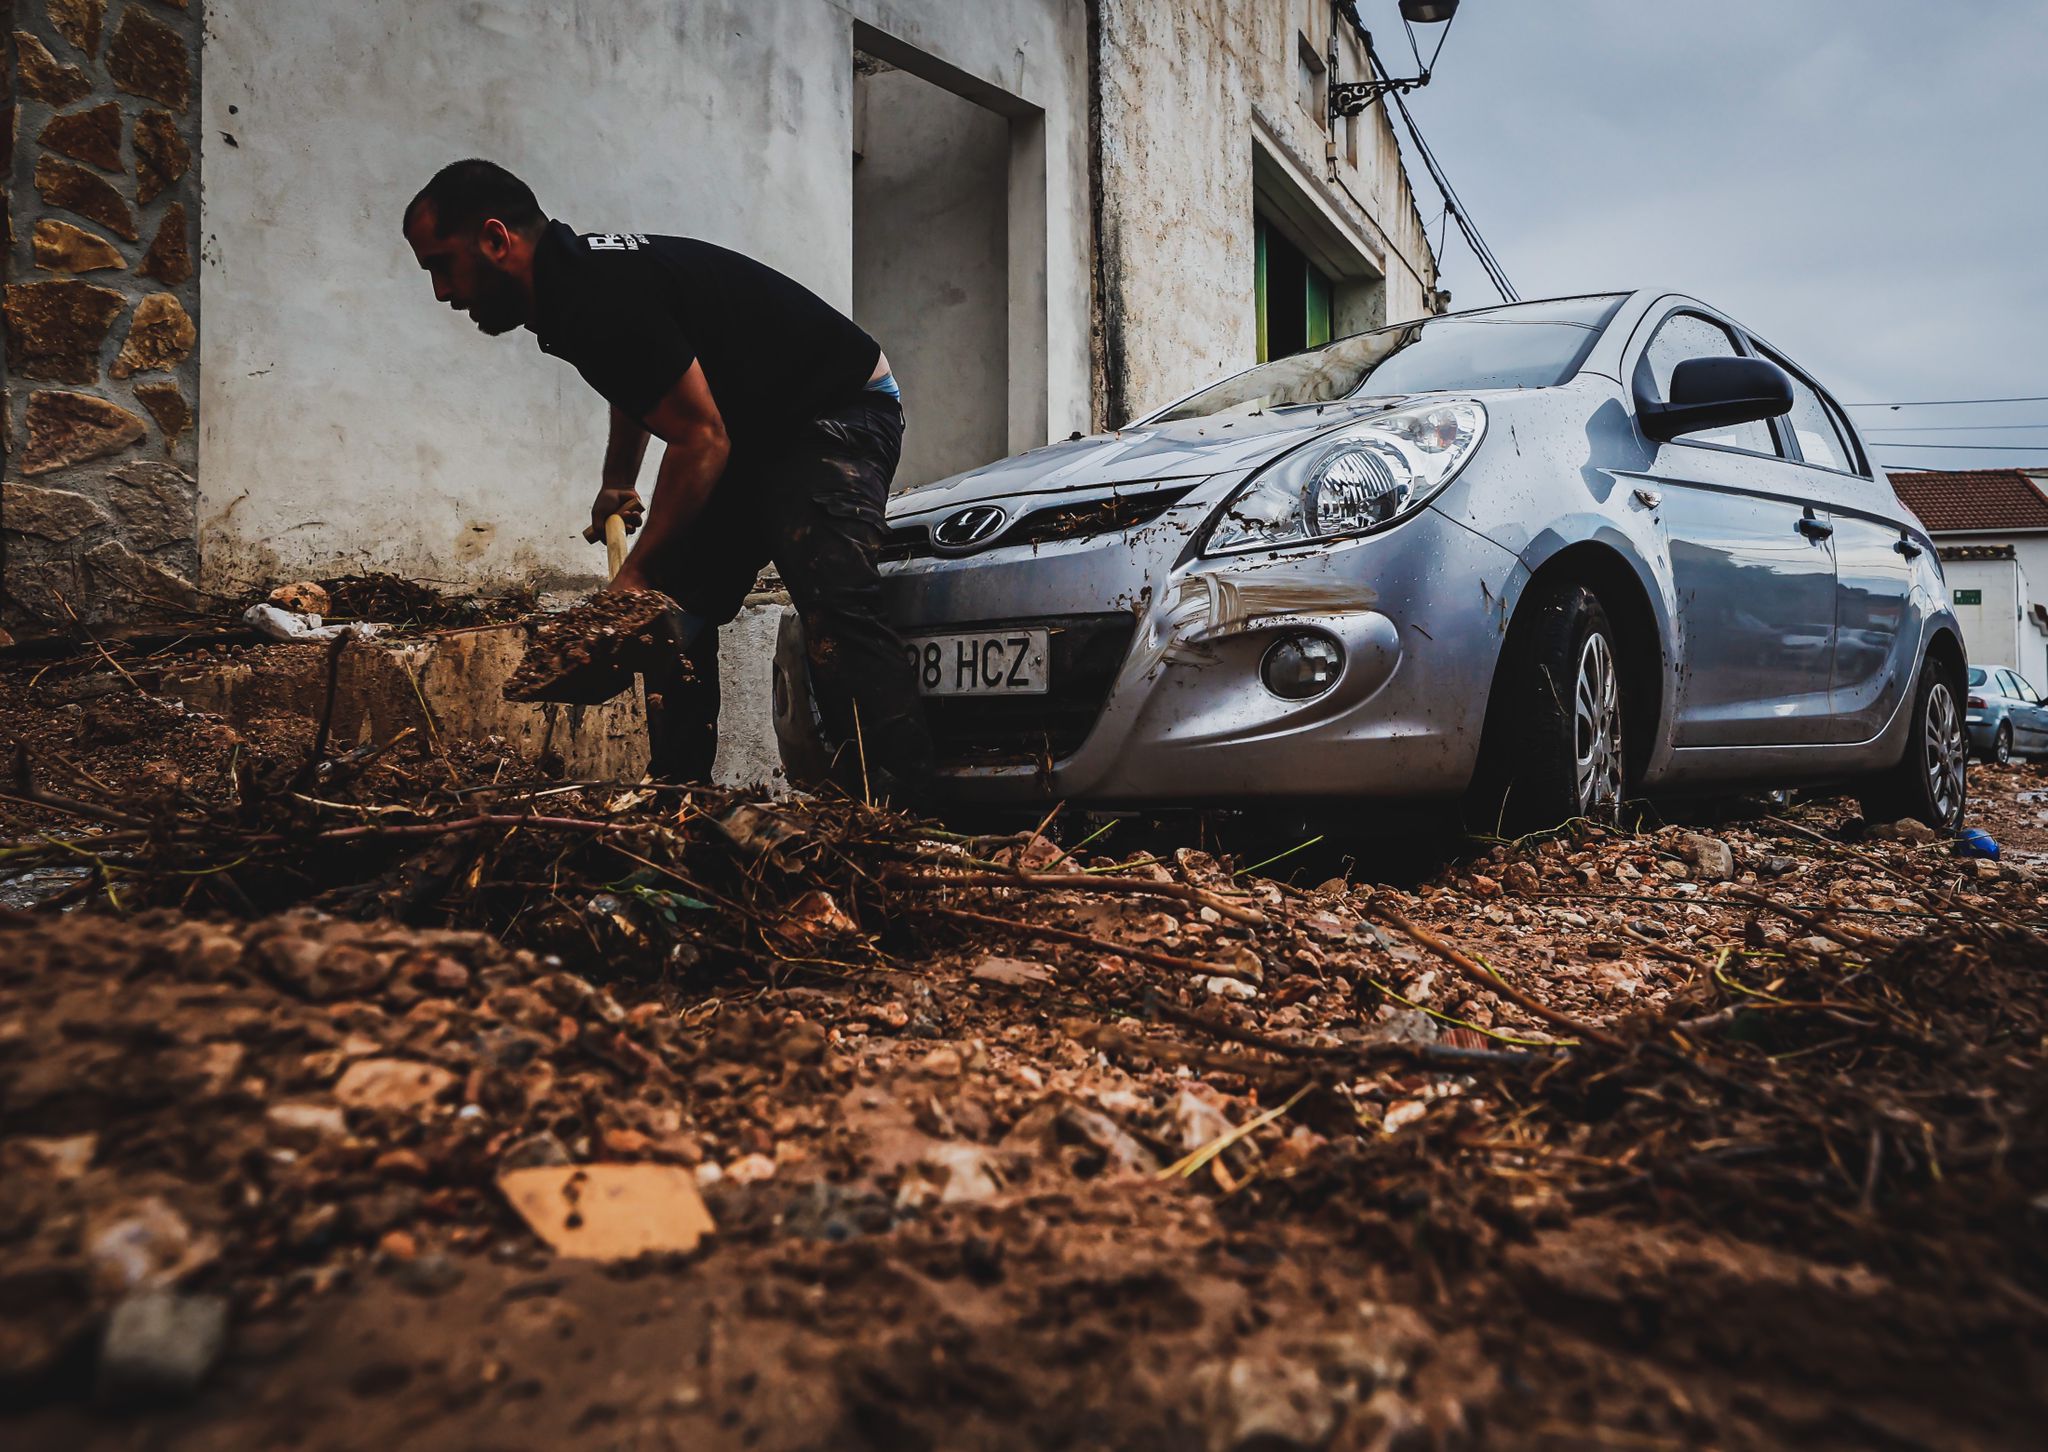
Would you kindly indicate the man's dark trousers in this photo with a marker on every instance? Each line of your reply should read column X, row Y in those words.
column 813, row 503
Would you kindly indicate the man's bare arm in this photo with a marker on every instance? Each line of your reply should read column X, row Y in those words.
column 623, row 451
column 688, row 422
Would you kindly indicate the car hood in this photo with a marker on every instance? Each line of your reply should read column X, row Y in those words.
column 1190, row 449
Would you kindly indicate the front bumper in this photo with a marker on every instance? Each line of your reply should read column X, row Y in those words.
column 1180, row 715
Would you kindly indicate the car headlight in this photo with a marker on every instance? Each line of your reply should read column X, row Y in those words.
column 1363, row 478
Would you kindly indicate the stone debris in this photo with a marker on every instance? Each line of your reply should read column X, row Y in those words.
column 609, row 1212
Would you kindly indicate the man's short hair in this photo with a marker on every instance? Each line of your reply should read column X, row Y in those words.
column 466, row 194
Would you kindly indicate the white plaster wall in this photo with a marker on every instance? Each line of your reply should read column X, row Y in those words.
column 1189, row 88
column 1992, row 630
column 931, row 265
column 348, row 421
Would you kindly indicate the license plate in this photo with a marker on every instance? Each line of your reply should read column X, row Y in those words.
column 994, row 663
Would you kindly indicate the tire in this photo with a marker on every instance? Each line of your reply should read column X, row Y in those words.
column 1553, row 745
column 2001, row 746
column 1931, row 781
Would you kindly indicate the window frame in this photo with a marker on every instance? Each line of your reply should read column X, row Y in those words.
column 1745, row 347
column 1852, row 446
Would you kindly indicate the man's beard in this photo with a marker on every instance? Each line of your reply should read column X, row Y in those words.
column 500, row 306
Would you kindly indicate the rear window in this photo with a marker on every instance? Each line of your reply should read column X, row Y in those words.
column 1978, row 675
column 1523, row 345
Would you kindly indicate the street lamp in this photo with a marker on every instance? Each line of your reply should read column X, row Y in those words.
column 1348, row 98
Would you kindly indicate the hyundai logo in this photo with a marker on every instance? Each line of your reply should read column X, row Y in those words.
column 970, row 526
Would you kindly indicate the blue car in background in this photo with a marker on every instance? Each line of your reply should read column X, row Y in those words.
column 2005, row 715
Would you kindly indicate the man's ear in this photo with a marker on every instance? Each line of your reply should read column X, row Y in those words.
column 494, row 238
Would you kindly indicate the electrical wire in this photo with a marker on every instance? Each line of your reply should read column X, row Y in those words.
column 1491, row 264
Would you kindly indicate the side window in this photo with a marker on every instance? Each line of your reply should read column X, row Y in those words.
column 1813, row 426
column 2009, row 685
column 1688, row 335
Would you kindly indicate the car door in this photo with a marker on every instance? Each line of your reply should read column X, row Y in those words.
column 1876, row 641
column 2030, row 730
column 1752, row 565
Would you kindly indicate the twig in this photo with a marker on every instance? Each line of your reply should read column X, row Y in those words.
column 1480, row 973
column 1083, row 882
column 1052, row 934
column 105, row 654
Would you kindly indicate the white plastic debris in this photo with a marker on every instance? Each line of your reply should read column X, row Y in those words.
column 291, row 625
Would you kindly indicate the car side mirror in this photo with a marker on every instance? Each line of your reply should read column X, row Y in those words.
column 1712, row 393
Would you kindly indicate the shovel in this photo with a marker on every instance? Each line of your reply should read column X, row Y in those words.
column 591, row 652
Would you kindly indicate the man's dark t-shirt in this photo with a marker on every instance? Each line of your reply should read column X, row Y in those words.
column 632, row 312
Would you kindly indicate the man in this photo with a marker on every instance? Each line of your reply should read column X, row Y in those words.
column 781, row 428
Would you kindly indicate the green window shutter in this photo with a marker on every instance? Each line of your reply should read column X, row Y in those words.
column 1259, row 280
column 1318, row 309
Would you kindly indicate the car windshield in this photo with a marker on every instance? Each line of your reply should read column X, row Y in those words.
column 1978, row 675
column 1523, row 345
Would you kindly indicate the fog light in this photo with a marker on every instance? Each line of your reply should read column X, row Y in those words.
column 1301, row 666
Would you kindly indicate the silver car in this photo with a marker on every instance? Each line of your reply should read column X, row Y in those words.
column 2006, row 717
column 1534, row 559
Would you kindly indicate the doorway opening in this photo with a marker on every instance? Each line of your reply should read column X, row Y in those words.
column 1291, row 293
column 931, row 262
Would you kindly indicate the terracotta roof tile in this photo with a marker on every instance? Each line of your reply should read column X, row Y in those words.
column 1949, row 500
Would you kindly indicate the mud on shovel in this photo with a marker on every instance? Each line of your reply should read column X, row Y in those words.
column 591, row 652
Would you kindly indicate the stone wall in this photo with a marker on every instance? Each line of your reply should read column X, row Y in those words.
column 98, row 506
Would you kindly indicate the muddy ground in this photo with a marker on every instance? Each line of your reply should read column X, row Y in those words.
column 1726, row 1134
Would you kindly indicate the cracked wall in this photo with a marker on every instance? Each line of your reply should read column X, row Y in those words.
column 98, row 503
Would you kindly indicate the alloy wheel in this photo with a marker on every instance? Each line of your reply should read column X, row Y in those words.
column 1944, row 749
column 2001, row 748
column 1597, row 730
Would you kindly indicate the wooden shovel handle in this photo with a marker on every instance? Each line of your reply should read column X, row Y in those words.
column 614, row 545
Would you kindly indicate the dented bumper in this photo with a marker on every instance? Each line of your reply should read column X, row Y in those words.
column 1179, row 713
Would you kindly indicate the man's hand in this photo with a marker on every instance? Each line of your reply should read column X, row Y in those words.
column 623, row 502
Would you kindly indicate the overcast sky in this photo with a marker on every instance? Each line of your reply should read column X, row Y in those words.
column 1864, row 182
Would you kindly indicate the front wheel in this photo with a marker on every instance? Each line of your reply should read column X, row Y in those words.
column 1554, row 747
column 1930, row 783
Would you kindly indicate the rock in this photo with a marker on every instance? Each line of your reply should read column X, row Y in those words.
column 55, row 329
column 159, row 1346
column 160, row 336
column 166, row 404
column 69, row 428
column 401, row 1085
column 68, row 185
column 1520, row 877
column 307, row 1121
column 92, row 135
column 1713, row 860
column 1265, row 1403
column 1776, row 866
column 1483, row 887
column 158, row 504
column 1911, row 829
column 1218, row 987
column 431, row 1274
column 750, row 1170
column 78, row 21
column 147, row 58
column 66, row 1158
column 950, row 1174
column 941, row 1063
column 45, row 77
column 169, row 259
column 161, row 154
column 52, row 514
column 1011, row 972
column 610, row 1212
column 121, row 578
column 1122, row 1152
column 536, row 1151
column 815, row 919
column 61, row 247
column 1196, row 1121
column 144, row 1245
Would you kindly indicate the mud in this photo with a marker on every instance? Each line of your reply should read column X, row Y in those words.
column 613, row 629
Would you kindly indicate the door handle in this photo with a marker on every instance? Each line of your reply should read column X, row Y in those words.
column 1815, row 529
column 1910, row 550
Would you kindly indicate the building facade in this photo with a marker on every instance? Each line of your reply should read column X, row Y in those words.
column 1055, row 214
column 1991, row 529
